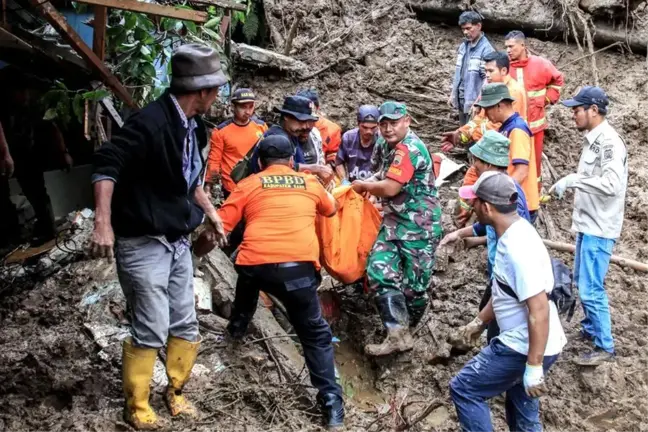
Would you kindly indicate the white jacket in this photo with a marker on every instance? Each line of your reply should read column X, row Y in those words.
column 599, row 199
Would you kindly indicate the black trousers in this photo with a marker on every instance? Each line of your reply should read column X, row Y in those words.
column 295, row 285
column 29, row 173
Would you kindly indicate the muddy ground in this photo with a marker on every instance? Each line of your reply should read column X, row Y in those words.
column 60, row 362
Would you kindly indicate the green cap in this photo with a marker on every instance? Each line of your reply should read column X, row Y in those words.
column 492, row 148
column 392, row 110
column 492, row 94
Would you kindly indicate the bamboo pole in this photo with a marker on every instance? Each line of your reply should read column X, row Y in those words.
column 623, row 262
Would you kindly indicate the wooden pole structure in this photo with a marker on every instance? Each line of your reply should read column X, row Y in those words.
column 152, row 9
column 99, row 34
column 623, row 262
column 61, row 25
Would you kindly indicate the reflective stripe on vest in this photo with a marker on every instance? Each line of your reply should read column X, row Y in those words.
column 537, row 93
column 555, row 87
column 537, row 123
column 520, row 76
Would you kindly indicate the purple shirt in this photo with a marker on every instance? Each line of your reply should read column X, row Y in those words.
column 356, row 157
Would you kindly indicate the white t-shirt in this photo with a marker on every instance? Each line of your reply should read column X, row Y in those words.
column 522, row 262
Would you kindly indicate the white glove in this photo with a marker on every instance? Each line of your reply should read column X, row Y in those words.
column 563, row 184
column 534, row 383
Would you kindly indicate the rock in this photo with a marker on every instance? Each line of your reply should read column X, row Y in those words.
column 601, row 7
column 607, row 378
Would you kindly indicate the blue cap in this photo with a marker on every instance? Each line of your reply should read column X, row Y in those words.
column 243, row 95
column 276, row 147
column 301, row 108
column 589, row 95
column 368, row 113
column 310, row 94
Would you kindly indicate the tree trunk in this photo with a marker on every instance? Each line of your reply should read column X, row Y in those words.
column 541, row 27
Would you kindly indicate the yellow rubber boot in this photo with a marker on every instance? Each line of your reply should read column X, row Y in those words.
column 137, row 370
column 181, row 356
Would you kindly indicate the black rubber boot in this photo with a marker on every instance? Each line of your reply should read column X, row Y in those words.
column 333, row 408
column 393, row 311
column 44, row 228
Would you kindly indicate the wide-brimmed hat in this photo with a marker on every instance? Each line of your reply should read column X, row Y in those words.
column 303, row 109
column 492, row 148
column 492, row 94
column 195, row 67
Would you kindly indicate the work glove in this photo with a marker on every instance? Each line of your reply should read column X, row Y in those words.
column 534, row 383
column 563, row 184
column 471, row 332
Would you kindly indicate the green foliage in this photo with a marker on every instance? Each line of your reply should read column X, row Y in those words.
column 62, row 105
column 140, row 49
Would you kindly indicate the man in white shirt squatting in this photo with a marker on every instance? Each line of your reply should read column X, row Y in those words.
column 531, row 335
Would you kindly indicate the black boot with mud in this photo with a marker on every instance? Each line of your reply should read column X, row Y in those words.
column 332, row 406
column 394, row 315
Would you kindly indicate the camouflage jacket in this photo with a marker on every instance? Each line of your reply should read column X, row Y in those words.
column 415, row 213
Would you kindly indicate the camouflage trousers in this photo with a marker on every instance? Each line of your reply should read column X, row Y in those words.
column 404, row 266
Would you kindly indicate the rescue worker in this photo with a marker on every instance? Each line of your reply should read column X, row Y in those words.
column 147, row 187
column 531, row 337
column 490, row 154
column 543, row 83
column 399, row 268
column 27, row 144
column 353, row 160
column 599, row 200
column 497, row 71
column 469, row 70
column 330, row 132
column 297, row 120
column 498, row 104
column 233, row 139
column 280, row 255
column 496, row 67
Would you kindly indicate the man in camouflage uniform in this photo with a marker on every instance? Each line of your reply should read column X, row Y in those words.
column 400, row 266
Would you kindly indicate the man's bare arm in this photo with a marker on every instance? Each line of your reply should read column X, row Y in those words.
column 538, row 327
column 215, row 222
column 520, row 173
column 103, row 237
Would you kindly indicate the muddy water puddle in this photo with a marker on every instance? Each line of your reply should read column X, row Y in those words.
column 357, row 377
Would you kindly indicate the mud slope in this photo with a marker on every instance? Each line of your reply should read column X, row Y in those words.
column 60, row 362
column 396, row 56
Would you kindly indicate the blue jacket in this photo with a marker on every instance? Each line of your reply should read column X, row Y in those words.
column 472, row 75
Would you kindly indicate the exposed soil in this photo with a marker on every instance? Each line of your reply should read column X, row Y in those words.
column 60, row 363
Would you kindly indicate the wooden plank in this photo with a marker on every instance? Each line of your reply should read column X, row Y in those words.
column 151, row 9
column 61, row 25
column 226, row 4
column 99, row 34
column 224, row 26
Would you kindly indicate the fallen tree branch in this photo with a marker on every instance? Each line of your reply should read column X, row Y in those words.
column 293, row 32
column 587, row 55
column 623, row 262
column 345, row 58
column 265, row 338
column 420, row 416
column 603, row 34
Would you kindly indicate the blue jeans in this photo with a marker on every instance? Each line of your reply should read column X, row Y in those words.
column 591, row 264
column 495, row 370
